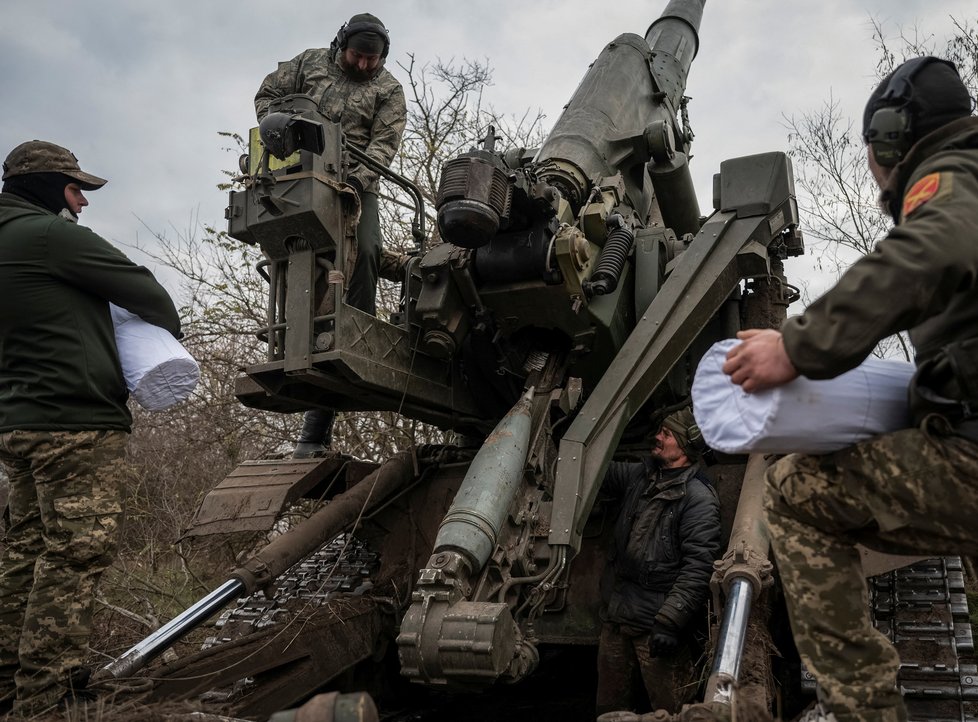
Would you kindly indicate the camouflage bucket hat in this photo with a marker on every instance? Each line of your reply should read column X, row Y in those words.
column 38, row 156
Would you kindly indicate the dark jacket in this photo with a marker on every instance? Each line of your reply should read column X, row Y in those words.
column 373, row 114
column 59, row 366
column 666, row 538
column 922, row 277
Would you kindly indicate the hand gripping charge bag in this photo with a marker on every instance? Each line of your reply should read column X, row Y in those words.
column 157, row 368
column 803, row 416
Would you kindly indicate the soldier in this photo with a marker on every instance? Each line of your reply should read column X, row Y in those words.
column 665, row 541
column 910, row 491
column 63, row 418
column 349, row 82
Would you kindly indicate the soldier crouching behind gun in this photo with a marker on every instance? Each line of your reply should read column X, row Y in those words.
column 665, row 541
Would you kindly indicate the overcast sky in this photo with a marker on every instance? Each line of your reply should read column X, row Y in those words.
column 140, row 90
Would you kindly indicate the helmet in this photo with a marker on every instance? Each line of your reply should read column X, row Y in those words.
column 918, row 97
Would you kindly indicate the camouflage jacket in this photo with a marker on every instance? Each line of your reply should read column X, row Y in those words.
column 666, row 538
column 372, row 114
column 59, row 367
column 922, row 277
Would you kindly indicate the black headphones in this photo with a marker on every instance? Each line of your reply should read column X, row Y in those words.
column 890, row 131
column 347, row 30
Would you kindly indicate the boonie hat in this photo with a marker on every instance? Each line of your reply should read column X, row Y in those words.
column 39, row 156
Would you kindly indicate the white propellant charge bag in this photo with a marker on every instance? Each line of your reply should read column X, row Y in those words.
column 158, row 370
column 803, row 416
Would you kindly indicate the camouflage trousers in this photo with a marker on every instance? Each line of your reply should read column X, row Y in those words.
column 911, row 491
column 64, row 509
column 625, row 667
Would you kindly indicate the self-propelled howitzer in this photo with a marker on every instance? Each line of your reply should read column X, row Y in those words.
column 572, row 292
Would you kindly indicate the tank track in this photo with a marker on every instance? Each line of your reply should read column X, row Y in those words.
column 341, row 566
column 923, row 610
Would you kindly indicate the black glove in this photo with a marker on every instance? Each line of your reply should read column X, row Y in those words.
column 663, row 640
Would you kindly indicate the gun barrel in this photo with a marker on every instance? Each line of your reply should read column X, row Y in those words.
column 674, row 40
column 601, row 131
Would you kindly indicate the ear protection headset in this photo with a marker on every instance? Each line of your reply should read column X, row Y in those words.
column 890, row 133
column 348, row 29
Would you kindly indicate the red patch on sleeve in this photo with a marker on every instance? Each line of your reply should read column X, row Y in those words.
column 921, row 192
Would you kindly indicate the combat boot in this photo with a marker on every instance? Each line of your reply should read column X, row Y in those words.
column 316, row 435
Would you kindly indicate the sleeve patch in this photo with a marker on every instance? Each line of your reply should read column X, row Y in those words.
column 931, row 186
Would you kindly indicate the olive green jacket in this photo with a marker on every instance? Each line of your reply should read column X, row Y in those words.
column 922, row 277
column 372, row 113
column 59, row 366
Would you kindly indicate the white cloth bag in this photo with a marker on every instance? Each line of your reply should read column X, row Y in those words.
column 158, row 370
column 804, row 416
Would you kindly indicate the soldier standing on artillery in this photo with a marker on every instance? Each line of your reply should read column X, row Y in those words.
column 911, row 491
column 63, row 418
column 349, row 83
column 658, row 577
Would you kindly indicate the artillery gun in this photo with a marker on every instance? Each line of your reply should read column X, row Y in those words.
column 575, row 288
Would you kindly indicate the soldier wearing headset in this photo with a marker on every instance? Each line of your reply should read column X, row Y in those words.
column 349, row 82
column 913, row 490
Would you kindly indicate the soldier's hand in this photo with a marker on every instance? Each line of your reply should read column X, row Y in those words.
column 760, row 362
column 663, row 641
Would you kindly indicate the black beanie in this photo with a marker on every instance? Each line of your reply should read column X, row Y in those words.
column 934, row 96
column 366, row 43
column 366, row 33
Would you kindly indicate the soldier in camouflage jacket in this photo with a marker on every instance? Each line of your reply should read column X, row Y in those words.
column 911, row 491
column 351, row 86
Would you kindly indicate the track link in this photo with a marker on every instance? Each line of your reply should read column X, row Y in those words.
column 341, row 566
column 923, row 610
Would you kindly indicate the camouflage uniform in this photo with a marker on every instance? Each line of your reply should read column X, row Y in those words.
column 909, row 491
column 65, row 508
column 63, row 419
column 878, row 494
column 373, row 115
